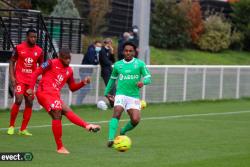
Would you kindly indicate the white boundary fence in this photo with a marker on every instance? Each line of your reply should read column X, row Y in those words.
column 171, row 83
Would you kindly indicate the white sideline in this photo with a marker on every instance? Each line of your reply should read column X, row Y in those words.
column 150, row 118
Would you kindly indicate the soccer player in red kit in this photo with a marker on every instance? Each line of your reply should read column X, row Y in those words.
column 22, row 64
column 55, row 73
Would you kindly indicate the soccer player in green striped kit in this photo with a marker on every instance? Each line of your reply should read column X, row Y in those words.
column 128, row 72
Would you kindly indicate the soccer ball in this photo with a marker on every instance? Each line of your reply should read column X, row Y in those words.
column 102, row 105
column 122, row 143
column 143, row 104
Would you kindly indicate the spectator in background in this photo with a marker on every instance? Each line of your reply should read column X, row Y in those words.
column 121, row 41
column 134, row 36
column 107, row 58
column 131, row 36
column 90, row 58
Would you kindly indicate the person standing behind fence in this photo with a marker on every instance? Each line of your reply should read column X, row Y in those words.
column 90, row 58
column 121, row 41
column 22, row 64
column 107, row 58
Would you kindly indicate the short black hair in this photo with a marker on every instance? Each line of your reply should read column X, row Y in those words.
column 130, row 44
column 64, row 51
column 30, row 30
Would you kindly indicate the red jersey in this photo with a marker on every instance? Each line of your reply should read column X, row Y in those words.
column 54, row 77
column 26, row 58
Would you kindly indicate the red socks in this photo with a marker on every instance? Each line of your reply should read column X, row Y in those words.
column 75, row 119
column 26, row 117
column 57, row 131
column 13, row 114
column 57, row 126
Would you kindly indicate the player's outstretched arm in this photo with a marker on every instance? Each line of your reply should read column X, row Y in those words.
column 73, row 86
column 109, row 86
column 147, row 77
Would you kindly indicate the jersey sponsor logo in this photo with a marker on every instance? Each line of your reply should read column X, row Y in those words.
column 128, row 77
column 28, row 62
column 58, row 82
column 22, row 52
column 18, row 88
column 58, row 67
column 28, row 71
column 45, row 65
column 60, row 78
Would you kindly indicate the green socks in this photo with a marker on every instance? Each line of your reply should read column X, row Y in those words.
column 126, row 128
column 113, row 125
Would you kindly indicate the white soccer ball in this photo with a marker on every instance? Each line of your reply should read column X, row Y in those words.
column 102, row 105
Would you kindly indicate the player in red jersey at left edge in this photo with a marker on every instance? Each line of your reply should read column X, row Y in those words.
column 22, row 64
column 55, row 73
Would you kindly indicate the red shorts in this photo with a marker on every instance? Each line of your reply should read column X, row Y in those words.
column 21, row 88
column 49, row 100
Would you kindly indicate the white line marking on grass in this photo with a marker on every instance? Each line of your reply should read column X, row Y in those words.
column 150, row 118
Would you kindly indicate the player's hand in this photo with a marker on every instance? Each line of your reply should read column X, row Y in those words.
column 140, row 84
column 93, row 128
column 87, row 80
column 29, row 92
column 13, row 81
column 110, row 97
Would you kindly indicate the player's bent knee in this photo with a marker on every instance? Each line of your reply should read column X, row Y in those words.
column 18, row 102
column 56, row 114
column 117, row 115
column 29, row 103
column 135, row 121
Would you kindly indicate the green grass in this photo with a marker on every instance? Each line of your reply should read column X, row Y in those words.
column 184, row 141
column 195, row 57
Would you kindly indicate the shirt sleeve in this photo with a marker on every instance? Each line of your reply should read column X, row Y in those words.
column 111, row 82
column 14, row 55
column 44, row 67
column 146, row 74
column 73, row 86
column 114, row 74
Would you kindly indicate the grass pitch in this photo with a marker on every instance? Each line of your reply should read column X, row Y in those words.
column 193, row 134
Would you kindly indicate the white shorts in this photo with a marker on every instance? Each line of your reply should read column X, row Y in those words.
column 127, row 102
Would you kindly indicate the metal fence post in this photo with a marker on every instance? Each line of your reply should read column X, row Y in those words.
column 237, row 93
column 204, row 83
column 165, row 85
column 6, row 87
column 97, row 83
column 221, row 83
column 70, row 92
column 185, row 85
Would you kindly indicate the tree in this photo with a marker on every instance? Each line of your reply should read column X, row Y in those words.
column 169, row 25
column 241, row 21
column 194, row 15
column 45, row 6
column 217, row 34
column 96, row 19
column 65, row 8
